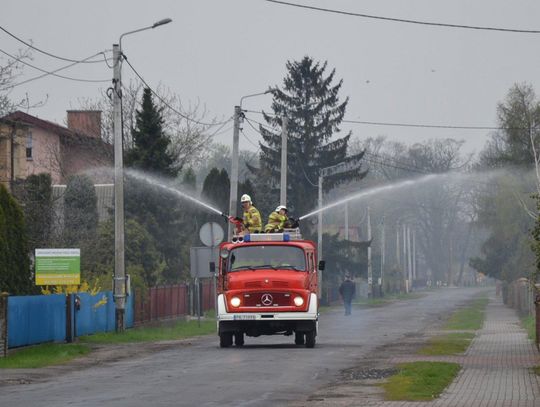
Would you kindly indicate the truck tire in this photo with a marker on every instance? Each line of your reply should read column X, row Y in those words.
column 239, row 339
column 299, row 338
column 310, row 339
column 225, row 339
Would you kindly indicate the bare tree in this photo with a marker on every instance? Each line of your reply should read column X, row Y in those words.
column 189, row 130
column 11, row 68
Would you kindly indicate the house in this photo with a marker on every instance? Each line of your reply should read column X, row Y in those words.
column 30, row 145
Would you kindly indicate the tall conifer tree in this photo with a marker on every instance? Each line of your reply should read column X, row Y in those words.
column 150, row 151
column 310, row 101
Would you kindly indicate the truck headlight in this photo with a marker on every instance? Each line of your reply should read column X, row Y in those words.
column 235, row 301
column 298, row 301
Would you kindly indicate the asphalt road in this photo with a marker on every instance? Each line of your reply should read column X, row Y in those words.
column 267, row 371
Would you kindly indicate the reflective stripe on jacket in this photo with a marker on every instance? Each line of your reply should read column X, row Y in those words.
column 252, row 219
column 275, row 222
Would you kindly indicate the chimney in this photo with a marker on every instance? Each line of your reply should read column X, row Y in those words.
column 85, row 121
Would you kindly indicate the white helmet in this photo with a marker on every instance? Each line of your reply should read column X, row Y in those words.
column 245, row 198
column 280, row 207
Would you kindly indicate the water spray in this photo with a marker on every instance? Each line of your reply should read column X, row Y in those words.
column 152, row 180
column 372, row 191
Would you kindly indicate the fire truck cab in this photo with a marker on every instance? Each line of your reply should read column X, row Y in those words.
column 267, row 285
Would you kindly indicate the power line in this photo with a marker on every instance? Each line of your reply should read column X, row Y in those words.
column 22, row 61
column 407, row 21
column 417, row 125
column 48, row 73
column 429, row 126
column 48, row 53
column 248, row 139
column 166, row 103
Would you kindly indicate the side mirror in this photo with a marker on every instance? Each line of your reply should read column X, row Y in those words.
column 212, row 267
column 322, row 263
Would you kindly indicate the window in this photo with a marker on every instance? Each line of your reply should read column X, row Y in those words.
column 267, row 257
column 29, row 146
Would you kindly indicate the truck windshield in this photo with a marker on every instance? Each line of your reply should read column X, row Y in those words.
column 271, row 257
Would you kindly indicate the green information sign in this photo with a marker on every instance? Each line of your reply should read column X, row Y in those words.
column 58, row 266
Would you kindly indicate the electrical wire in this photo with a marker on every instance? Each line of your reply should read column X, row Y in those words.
column 248, row 139
column 49, row 72
column 167, row 104
column 429, row 126
column 48, row 53
column 417, row 125
column 407, row 21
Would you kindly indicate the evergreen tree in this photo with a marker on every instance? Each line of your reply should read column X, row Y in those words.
column 15, row 273
column 150, row 151
column 168, row 219
column 310, row 101
column 80, row 211
column 216, row 189
column 189, row 180
column 38, row 210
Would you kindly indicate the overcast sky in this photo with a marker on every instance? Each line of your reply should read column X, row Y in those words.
column 216, row 51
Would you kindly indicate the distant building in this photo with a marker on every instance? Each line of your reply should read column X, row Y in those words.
column 30, row 145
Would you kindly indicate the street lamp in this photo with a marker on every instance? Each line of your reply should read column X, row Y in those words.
column 119, row 266
column 234, row 159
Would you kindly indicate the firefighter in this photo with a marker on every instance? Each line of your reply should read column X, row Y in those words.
column 276, row 220
column 252, row 217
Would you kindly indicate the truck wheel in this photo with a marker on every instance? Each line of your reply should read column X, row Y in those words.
column 225, row 339
column 299, row 338
column 310, row 339
column 239, row 339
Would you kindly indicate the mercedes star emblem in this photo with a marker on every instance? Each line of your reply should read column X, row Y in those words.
column 266, row 299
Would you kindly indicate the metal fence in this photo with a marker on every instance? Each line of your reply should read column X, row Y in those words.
column 520, row 295
column 173, row 301
column 35, row 319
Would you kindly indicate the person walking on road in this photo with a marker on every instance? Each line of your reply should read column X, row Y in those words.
column 347, row 290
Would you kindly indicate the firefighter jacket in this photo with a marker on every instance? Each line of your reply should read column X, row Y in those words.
column 252, row 220
column 276, row 222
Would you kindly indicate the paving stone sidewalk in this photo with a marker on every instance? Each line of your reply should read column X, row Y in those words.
column 496, row 368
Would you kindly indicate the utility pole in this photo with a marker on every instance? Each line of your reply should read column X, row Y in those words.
column 409, row 257
column 383, row 256
column 319, row 233
column 234, row 168
column 346, row 220
column 119, row 267
column 404, row 257
column 119, row 280
column 398, row 258
column 414, row 254
column 283, row 193
column 369, row 270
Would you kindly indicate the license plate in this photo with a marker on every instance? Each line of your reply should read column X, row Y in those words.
column 244, row 317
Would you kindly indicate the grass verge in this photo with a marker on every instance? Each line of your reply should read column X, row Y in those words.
column 536, row 370
column 420, row 381
column 178, row 330
column 529, row 323
column 43, row 355
column 469, row 318
column 451, row 344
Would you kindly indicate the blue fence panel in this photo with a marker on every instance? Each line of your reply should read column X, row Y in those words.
column 97, row 313
column 130, row 312
column 94, row 313
column 35, row 319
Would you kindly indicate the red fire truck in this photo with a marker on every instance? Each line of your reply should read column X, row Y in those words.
column 267, row 285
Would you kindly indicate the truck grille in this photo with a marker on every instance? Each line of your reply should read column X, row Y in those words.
column 267, row 299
